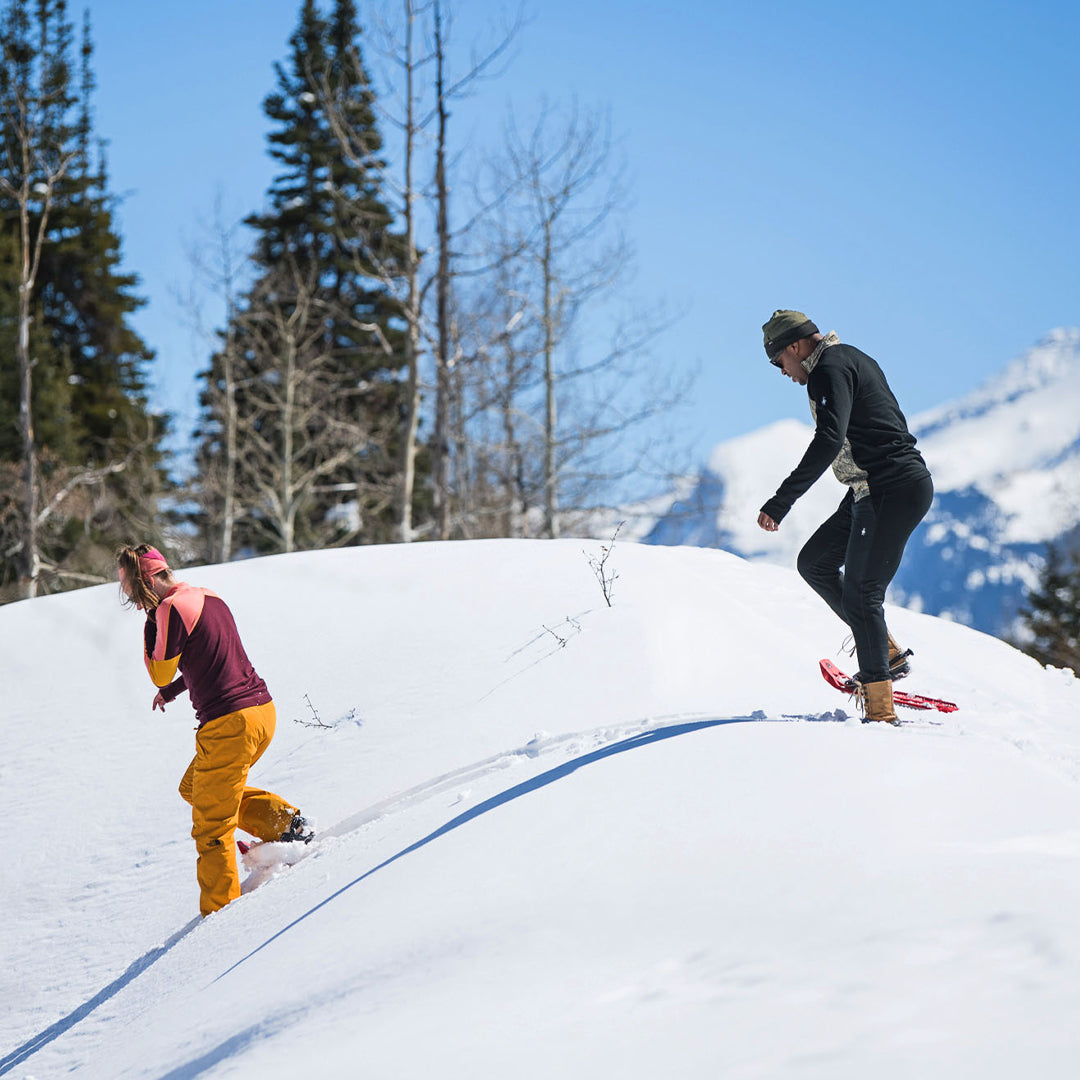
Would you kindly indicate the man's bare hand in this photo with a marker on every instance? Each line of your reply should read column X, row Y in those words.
column 159, row 702
column 767, row 522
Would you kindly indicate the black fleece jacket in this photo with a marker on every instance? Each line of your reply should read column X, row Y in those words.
column 853, row 401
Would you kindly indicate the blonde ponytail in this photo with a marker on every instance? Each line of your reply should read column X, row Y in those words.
column 140, row 592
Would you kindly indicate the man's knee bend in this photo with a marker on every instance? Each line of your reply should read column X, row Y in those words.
column 815, row 575
column 861, row 597
column 853, row 606
column 873, row 595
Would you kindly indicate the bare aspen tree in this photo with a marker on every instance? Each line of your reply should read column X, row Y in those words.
column 509, row 384
column 411, row 419
column 228, row 275
column 440, row 451
column 397, row 269
column 574, row 390
column 558, row 176
column 511, row 330
column 219, row 266
column 422, row 118
column 448, row 384
column 495, row 372
column 62, row 494
column 295, row 413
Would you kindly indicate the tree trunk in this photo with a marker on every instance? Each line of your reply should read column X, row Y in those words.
column 31, row 558
column 288, row 499
column 551, row 488
column 28, row 264
column 442, row 290
column 228, row 512
column 411, row 421
column 512, row 456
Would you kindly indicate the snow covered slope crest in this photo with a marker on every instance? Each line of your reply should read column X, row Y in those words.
column 1006, row 466
column 557, row 838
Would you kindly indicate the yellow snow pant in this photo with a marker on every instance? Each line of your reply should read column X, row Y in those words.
column 216, row 786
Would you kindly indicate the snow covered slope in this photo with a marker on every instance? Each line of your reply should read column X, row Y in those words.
column 1006, row 465
column 561, row 839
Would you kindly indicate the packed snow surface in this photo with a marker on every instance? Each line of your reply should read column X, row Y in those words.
column 557, row 838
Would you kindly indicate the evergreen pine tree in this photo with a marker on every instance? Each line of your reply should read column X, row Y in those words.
column 96, row 443
column 324, row 244
column 1052, row 616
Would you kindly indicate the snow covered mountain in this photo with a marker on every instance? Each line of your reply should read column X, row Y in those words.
column 1006, row 466
column 558, row 839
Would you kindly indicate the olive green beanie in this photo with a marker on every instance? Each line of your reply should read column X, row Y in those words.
column 783, row 328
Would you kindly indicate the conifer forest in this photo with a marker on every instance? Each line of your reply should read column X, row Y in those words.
column 401, row 355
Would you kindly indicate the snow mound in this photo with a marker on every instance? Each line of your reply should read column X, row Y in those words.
column 556, row 838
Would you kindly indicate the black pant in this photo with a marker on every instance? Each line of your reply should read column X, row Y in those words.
column 867, row 538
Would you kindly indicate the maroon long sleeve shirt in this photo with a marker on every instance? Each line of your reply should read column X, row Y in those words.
column 193, row 631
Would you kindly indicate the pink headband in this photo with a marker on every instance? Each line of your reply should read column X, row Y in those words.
column 153, row 562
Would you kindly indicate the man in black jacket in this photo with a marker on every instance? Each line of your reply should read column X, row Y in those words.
column 854, row 411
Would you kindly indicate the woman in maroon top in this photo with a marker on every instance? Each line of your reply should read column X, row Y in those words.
column 191, row 643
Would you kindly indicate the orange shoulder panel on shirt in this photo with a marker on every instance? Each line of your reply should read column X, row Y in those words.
column 187, row 602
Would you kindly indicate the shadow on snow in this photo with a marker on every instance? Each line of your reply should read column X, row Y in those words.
column 233, row 1045
column 516, row 792
column 135, row 969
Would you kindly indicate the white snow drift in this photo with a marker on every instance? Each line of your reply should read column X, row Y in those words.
column 559, row 839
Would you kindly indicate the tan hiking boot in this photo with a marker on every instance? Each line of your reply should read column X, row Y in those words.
column 898, row 660
column 877, row 702
column 898, row 656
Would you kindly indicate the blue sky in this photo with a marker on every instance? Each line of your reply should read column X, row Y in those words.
column 905, row 174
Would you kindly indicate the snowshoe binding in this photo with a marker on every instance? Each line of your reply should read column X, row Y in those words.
column 299, row 831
